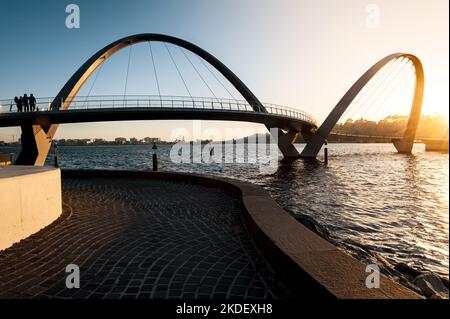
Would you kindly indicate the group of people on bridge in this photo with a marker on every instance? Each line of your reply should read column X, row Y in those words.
column 25, row 103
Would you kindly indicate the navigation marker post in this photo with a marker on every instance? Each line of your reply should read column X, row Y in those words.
column 155, row 157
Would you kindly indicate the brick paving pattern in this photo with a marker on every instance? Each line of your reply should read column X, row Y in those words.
column 137, row 238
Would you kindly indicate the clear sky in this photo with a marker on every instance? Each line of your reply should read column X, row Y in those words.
column 300, row 53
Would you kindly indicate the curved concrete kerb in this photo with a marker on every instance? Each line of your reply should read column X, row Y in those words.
column 311, row 266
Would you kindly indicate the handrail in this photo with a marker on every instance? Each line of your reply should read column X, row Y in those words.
column 417, row 139
column 342, row 133
column 150, row 101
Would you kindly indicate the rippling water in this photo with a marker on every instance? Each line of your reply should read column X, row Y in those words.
column 394, row 204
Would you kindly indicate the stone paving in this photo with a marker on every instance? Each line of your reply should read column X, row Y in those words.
column 140, row 238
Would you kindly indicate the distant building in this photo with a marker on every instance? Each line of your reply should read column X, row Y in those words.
column 120, row 140
column 99, row 141
column 73, row 142
column 151, row 140
column 134, row 141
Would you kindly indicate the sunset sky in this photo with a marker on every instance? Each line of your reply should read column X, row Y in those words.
column 304, row 54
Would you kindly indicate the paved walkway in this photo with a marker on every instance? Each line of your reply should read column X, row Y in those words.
column 136, row 238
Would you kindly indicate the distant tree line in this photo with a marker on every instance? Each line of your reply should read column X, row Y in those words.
column 430, row 126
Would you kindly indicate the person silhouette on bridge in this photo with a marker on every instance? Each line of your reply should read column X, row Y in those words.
column 32, row 101
column 25, row 103
column 18, row 104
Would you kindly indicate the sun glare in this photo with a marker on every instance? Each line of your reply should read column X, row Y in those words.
column 436, row 100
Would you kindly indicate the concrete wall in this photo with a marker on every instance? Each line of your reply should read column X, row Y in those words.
column 30, row 199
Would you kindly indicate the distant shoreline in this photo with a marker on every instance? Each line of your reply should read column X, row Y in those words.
column 203, row 143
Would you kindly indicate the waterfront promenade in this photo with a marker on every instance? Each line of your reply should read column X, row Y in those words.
column 140, row 238
column 139, row 234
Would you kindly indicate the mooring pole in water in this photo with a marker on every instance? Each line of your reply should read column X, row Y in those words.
column 56, row 154
column 155, row 158
column 326, row 152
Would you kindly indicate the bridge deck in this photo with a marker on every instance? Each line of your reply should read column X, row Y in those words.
column 113, row 108
column 134, row 114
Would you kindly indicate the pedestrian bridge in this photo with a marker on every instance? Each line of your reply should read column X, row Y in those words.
column 142, row 107
column 135, row 108
column 39, row 127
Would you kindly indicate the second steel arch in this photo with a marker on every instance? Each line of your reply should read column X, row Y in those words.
column 404, row 145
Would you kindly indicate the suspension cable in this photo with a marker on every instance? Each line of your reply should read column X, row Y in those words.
column 95, row 80
column 393, row 78
column 198, row 73
column 395, row 88
column 178, row 70
column 386, row 74
column 360, row 103
column 364, row 94
column 154, row 70
column 128, row 70
column 217, row 79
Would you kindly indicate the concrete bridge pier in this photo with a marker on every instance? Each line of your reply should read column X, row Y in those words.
column 403, row 146
column 286, row 143
column 35, row 145
column 287, row 139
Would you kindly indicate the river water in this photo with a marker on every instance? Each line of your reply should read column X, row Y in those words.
column 369, row 195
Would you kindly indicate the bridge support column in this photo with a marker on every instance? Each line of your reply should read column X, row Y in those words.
column 286, row 143
column 35, row 146
column 313, row 146
column 308, row 134
column 403, row 146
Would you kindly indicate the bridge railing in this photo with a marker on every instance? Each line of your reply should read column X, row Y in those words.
column 350, row 134
column 418, row 139
column 151, row 101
